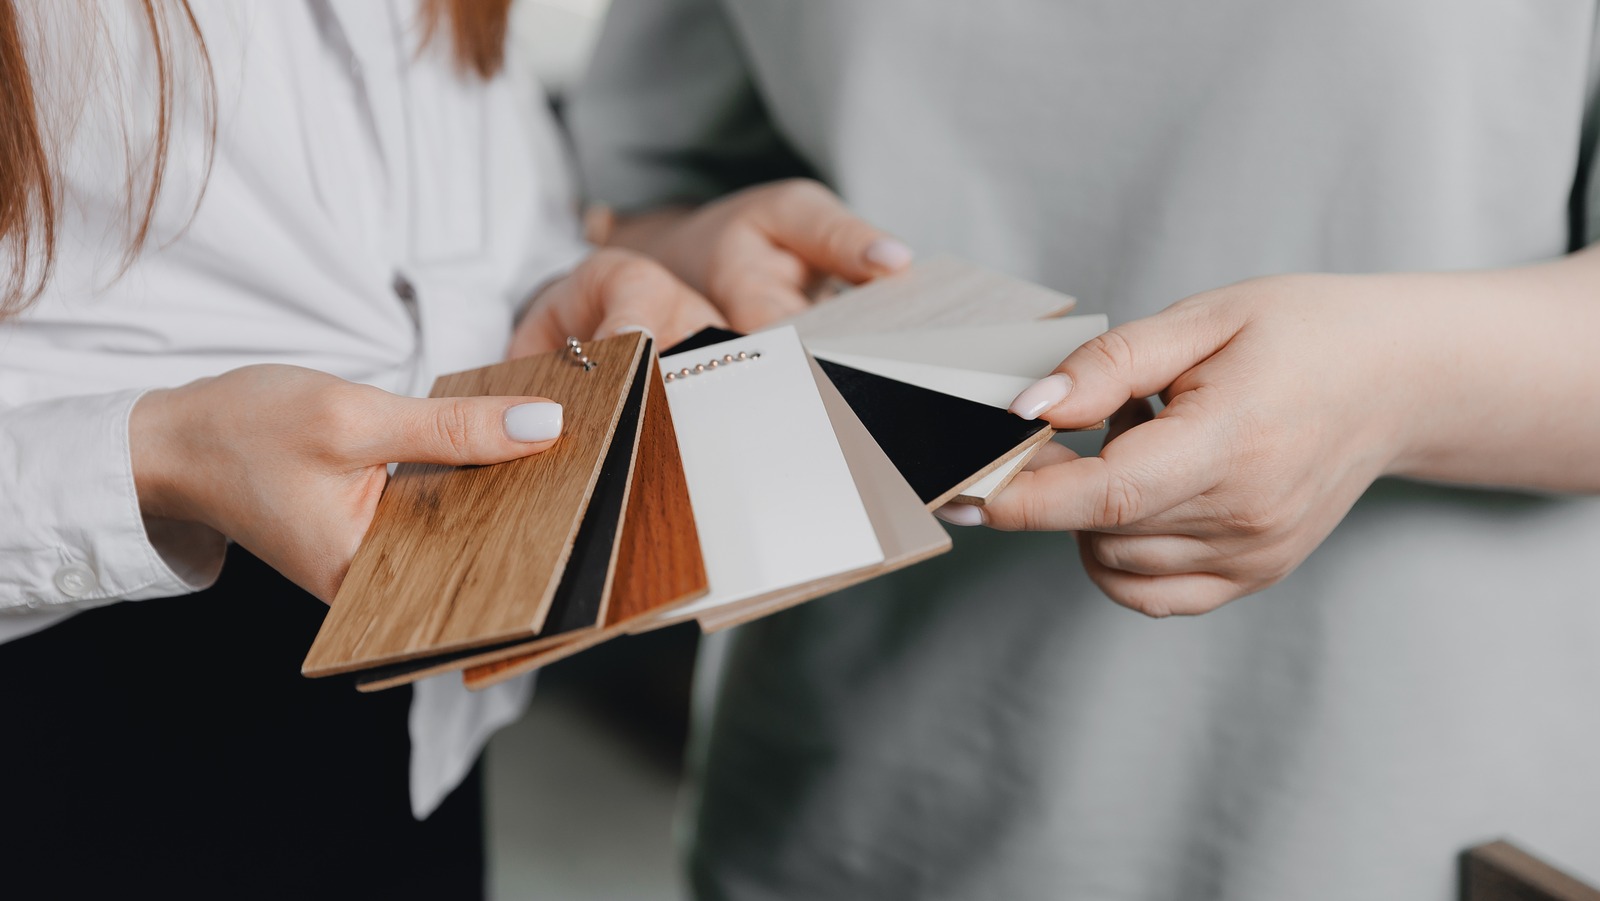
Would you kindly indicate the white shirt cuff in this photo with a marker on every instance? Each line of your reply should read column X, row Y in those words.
column 71, row 533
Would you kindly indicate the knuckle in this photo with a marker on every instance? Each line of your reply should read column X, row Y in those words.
column 455, row 427
column 1110, row 351
column 1137, row 595
column 1111, row 554
column 1121, row 503
column 1254, row 517
column 1149, row 604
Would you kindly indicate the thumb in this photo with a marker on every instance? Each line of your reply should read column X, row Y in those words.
column 810, row 221
column 1136, row 360
column 462, row 431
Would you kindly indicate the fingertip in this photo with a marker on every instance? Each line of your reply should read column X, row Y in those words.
column 888, row 254
column 534, row 422
column 1041, row 396
column 961, row 514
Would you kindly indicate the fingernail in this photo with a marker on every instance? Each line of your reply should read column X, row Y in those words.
column 960, row 514
column 1042, row 395
column 887, row 253
column 635, row 329
column 534, row 422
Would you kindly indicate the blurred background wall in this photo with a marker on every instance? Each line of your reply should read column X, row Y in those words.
column 582, row 793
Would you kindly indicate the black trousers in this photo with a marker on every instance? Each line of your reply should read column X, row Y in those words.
column 171, row 749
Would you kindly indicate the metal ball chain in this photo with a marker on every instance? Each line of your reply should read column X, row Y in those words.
column 713, row 363
column 577, row 351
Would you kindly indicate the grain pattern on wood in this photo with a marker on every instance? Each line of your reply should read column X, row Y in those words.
column 580, row 599
column 934, row 294
column 658, row 560
column 1500, row 871
column 463, row 556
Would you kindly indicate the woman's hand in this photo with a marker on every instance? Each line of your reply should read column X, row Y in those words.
column 290, row 463
column 1286, row 397
column 761, row 254
column 613, row 290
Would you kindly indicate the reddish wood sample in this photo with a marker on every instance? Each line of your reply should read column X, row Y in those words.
column 658, row 564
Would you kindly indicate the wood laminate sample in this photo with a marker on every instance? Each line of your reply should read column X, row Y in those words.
column 940, row 443
column 459, row 557
column 658, row 561
column 581, row 598
column 906, row 530
column 934, row 294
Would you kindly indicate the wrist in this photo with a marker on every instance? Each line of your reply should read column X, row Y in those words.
column 155, row 427
column 1403, row 335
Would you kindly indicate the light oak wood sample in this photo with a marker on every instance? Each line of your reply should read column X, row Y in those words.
column 659, row 565
column 458, row 557
column 934, row 294
column 581, row 597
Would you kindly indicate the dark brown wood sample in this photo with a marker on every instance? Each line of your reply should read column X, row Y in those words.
column 459, row 557
column 658, row 560
column 1500, row 871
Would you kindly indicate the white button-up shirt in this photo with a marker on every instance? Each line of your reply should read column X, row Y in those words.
column 373, row 211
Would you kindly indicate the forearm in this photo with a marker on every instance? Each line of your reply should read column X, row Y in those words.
column 1508, row 367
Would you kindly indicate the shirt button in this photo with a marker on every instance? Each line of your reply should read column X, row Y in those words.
column 404, row 290
column 76, row 580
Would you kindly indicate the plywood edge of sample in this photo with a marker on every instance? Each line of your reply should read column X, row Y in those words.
column 659, row 564
column 979, row 493
column 463, row 556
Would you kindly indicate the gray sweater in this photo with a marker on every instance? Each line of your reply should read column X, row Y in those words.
column 989, row 725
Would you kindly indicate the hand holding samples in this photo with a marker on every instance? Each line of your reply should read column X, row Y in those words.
column 290, row 462
column 762, row 254
column 613, row 290
column 1285, row 398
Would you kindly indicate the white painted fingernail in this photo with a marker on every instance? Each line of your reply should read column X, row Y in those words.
column 887, row 253
column 635, row 329
column 960, row 514
column 1042, row 395
column 534, row 422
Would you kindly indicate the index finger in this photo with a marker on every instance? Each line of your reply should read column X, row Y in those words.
column 809, row 220
column 1145, row 472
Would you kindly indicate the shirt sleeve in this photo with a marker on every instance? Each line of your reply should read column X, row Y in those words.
column 669, row 111
column 71, row 534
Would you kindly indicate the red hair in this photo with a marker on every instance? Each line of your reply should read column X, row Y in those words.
column 29, row 187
